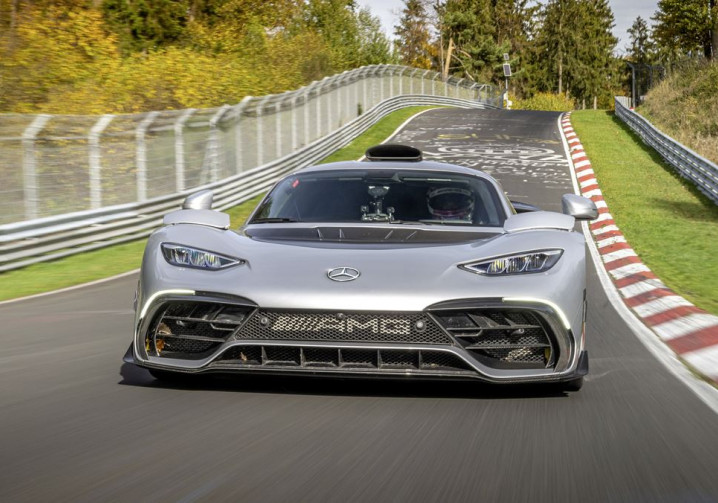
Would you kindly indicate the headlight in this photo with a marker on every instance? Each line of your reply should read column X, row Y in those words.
column 522, row 263
column 184, row 256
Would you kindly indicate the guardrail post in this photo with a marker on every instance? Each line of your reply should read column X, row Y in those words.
column 401, row 81
column 353, row 111
column 340, row 85
column 318, row 115
column 329, row 108
column 141, row 155
column 179, row 149
column 95, row 160
column 214, row 142
column 411, row 80
column 239, row 109
column 295, row 128
column 365, row 80
column 381, row 86
column 423, row 81
column 305, row 95
column 260, row 130
column 457, row 88
column 278, row 130
column 29, row 165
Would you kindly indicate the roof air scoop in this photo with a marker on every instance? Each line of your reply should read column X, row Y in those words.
column 393, row 152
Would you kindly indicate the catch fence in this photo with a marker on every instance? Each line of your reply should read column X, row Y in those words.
column 75, row 183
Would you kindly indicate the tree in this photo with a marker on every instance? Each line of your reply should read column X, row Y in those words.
column 470, row 24
column 595, row 54
column 374, row 45
column 335, row 21
column 575, row 47
column 556, row 35
column 640, row 49
column 143, row 25
column 687, row 27
column 413, row 37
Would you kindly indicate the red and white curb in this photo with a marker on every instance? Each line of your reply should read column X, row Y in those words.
column 687, row 330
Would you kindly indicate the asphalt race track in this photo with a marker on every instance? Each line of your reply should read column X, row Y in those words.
column 78, row 425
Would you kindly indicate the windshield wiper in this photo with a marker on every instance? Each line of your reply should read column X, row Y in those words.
column 272, row 220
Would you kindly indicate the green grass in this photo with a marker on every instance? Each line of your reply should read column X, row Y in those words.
column 376, row 134
column 98, row 264
column 666, row 220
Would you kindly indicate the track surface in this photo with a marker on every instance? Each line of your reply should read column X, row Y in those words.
column 77, row 425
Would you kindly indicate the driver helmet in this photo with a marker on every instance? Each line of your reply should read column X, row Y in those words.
column 450, row 203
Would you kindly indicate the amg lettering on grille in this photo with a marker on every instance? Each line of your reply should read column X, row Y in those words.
column 346, row 325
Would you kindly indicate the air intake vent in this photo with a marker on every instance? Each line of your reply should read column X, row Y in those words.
column 393, row 152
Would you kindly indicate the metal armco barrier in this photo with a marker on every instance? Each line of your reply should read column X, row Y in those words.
column 42, row 239
column 702, row 172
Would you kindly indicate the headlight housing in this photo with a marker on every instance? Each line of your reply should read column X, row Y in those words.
column 520, row 263
column 195, row 258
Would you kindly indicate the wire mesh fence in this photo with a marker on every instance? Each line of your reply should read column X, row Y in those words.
column 58, row 164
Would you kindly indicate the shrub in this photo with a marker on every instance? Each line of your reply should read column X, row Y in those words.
column 545, row 101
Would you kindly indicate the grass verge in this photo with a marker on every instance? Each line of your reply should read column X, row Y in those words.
column 667, row 221
column 99, row 264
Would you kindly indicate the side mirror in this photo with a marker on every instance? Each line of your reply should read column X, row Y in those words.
column 579, row 207
column 201, row 200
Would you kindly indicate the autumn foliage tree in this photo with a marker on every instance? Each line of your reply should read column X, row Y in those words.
column 413, row 38
column 117, row 56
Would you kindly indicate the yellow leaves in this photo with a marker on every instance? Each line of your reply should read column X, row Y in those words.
column 62, row 59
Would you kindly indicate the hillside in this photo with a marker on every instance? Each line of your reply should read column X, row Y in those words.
column 685, row 106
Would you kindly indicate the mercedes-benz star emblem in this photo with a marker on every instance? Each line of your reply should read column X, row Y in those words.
column 343, row 274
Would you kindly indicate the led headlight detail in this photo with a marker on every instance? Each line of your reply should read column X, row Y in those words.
column 185, row 256
column 522, row 263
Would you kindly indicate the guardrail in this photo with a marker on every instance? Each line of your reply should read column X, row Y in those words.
column 38, row 240
column 702, row 172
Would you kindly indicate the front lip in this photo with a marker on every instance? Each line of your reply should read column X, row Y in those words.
column 567, row 364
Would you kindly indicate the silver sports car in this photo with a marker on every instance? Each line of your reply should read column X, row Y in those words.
column 390, row 267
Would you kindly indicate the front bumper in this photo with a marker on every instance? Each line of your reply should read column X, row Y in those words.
column 483, row 339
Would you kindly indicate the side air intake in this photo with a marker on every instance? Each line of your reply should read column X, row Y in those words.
column 393, row 152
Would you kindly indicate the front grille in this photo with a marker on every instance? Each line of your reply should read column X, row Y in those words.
column 502, row 337
column 402, row 328
column 192, row 330
column 342, row 359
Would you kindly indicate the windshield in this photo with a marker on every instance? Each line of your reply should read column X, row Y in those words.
column 383, row 196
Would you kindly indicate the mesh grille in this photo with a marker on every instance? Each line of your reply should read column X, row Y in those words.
column 402, row 359
column 525, row 354
column 282, row 355
column 529, row 337
column 348, row 359
column 320, row 357
column 344, row 327
column 502, row 337
column 359, row 357
column 441, row 361
column 172, row 345
column 192, row 330
column 247, row 355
